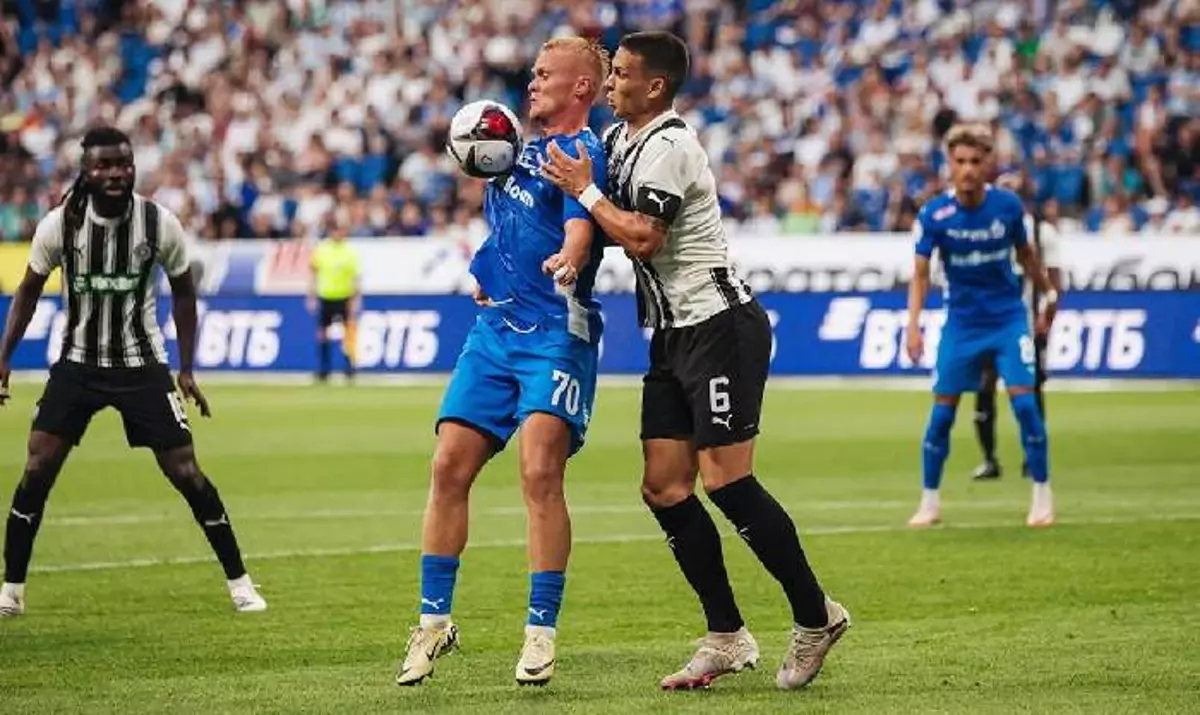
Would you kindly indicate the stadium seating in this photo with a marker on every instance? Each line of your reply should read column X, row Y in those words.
column 269, row 118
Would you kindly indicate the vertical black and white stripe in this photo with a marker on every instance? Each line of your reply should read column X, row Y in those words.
column 691, row 278
column 108, row 277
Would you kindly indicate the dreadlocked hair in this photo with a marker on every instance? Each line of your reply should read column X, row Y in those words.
column 76, row 197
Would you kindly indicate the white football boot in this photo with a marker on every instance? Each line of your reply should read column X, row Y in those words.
column 246, row 598
column 536, row 664
column 12, row 599
column 425, row 645
column 718, row 654
column 1041, row 506
column 806, row 653
column 930, row 510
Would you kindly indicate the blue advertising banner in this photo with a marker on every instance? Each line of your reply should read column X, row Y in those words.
column 1102, row 334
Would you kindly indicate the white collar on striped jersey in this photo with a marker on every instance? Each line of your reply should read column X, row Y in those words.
column 665, row 116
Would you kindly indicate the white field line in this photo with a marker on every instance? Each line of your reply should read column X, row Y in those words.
column 397, row 547
column 180, row 513
column 88, row 520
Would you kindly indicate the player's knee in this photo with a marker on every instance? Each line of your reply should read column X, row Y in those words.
column 452, row 473
column 186, row 474
column 40, row 470
column 659, row 493
column 180, row 466
column 941, row 421
column 42, row 464
column 542, row 482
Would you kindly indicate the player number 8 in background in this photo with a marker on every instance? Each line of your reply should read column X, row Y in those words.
column 567, row 392
column 1028, row 355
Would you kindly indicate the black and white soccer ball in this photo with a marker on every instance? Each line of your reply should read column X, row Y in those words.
column 485, row 139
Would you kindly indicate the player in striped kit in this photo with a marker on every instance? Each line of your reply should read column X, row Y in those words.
column 709, row 359
column 107, row 240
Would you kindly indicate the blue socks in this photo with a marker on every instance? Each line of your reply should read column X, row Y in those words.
column 438, row 574
column 437, row 584
column 937, row 444
column 1033, row 436
column 545, row 597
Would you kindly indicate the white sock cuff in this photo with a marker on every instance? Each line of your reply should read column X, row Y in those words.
column 548, row 631
column 243, row 580
column 434, row 620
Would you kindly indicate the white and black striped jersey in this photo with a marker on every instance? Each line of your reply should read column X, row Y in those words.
column 1046, row 242
column 662, row 171
column 108, row 281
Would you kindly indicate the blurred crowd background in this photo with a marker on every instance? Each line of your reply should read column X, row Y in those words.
column 300, row 118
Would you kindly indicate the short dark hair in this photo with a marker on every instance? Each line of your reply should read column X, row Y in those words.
column 664, row 54
column 104, row 136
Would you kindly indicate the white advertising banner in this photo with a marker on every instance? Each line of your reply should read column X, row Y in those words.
column 770, row 264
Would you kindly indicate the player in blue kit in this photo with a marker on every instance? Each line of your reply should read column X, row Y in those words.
column 975, row 228
column 530, row 362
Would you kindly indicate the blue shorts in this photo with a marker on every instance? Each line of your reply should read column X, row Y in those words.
column 503, row 375
column 964, row 351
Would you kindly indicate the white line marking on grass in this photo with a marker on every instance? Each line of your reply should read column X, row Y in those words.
column 607, row 539
column 71, row 520
column 90, row 520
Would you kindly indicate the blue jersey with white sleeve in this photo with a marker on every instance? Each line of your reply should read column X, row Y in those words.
column 975, row 246
column 526, row 217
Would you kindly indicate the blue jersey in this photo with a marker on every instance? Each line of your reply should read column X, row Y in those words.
column 975, row 246
column 526, row 216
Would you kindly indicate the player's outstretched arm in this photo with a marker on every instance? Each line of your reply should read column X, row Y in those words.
column 183, row 310
column 918, row 290
column 21, row 311
column 639, row 234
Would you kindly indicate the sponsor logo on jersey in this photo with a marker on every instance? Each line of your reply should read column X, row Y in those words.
column 515, row 192
column 105, row 284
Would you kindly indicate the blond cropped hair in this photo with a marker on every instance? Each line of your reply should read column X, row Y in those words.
column 592, row 53
column 976, row 136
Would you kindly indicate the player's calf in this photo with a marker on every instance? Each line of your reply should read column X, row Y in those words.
column 935, row 449
column 1035, row 442
column 180, row 467
column 46, row 456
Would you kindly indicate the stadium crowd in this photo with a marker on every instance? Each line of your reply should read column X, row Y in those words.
column 280, row 118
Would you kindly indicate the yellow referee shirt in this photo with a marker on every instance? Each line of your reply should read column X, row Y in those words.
column 337, row 269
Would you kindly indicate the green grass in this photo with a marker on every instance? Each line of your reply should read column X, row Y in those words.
column 326, row 486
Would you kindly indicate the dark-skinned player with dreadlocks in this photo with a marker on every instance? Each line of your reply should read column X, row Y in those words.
column 108, row 240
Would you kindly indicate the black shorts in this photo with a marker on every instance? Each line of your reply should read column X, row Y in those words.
column 151, row 408
column 334, row 310
column 706, row 381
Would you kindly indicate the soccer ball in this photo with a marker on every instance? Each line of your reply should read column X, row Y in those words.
column 485, row 139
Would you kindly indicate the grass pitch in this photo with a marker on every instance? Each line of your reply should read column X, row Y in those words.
column 128, row 613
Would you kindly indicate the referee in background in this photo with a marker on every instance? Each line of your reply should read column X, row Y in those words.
column 1044, row 236
column 333, row 295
